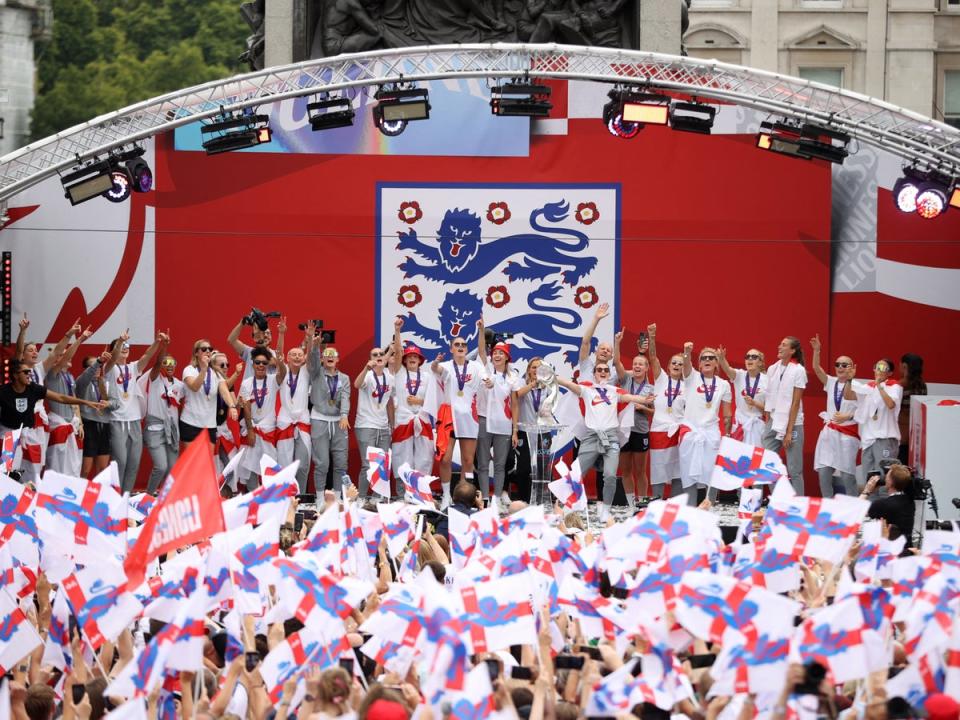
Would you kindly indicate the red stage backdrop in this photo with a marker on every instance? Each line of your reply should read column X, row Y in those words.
column 719, row 243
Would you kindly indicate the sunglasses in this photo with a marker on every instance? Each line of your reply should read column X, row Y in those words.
column 170, row 363
column 224, row 365
column 881, row 367
column 255, row 362
column 603, row 370
column 376, row 354
column 204, row 348
column 841, row 365
column 676, row 363
column 459, row 345
column 706, row 358
column 751, row 357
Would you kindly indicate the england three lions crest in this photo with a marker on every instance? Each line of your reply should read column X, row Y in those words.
column 532, row 260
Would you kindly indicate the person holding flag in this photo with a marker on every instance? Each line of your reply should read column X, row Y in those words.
column 601, row 403
column 293, row 414
column 260, row 391
column 707, row 395
column 837, row 445
column 66, row 429
column 375, row 411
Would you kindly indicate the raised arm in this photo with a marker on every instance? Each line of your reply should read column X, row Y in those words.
column 161, row 352
column 435, row 366
column 145, row 359
column 234, row 338
column 54, row 357
column 358, row 383
column 724, row 365
column 481, row 342
column 603, row 309
column 115, row 351
column 687, row 362
column 654, row 360
column 396, row 361
column 571, row 386
column 71, row 351
column 817, row 367
column 22, row 336
column 617, row 360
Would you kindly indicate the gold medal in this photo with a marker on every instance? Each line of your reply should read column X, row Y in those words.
column 708, row 404
column 126, row 395
column 459, row 393
column 670, row 410
column 331, row 401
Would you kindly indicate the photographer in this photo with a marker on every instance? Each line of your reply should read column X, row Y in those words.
column 897, row 508
column 257, row 320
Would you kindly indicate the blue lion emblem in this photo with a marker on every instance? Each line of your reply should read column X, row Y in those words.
column 542, row 331
column 461, row 257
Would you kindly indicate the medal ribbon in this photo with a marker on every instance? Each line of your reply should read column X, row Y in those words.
column 536, row 399
column 708, row 393
column 634, row 389
column 838, row 394
column 461, row 379
column 125, row 377
column 602, row 392
column 68, row 381
column 332, row 386
column 208, row 382
column 671, row 394
column 381, row 390
column 413, row 389
column 751, row 392
column 292, row 379
column 259, row 396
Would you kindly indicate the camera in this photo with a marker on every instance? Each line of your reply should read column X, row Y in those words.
column 920, row 487
column 499, row 337
column 259, row 318
column 327, row 337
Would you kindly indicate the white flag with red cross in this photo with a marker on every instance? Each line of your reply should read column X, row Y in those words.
column 742, row 465
column 822, row 528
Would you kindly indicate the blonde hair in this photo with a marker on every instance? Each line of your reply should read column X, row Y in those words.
column 196, row 345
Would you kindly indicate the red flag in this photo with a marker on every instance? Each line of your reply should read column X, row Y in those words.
column 187, row 510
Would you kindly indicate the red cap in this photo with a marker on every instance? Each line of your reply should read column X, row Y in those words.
column 503, row 347
column 941, row 707
column 386, row 710
column 414, row 350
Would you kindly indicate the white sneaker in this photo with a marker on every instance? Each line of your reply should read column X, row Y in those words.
column 505, row 499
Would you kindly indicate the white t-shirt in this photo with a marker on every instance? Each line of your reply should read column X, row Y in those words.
column 164, row 398
column 588, row 365
column 600, row 406
column 472, row 374
column 847, row 407
column 758, row 390
column 372, row 400
column 295, row 397
column 782, row 379
column 128, row 392
column 664, row 414
column 499, row 400
column 262, row 395
column 407, row 385
column 200, row 407
column 698, row 389
column 877, row 421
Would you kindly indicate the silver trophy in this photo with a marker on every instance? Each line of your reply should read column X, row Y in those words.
column 542, row 433
column 547, row 384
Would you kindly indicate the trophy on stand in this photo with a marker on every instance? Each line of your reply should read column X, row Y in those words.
column 541, row 434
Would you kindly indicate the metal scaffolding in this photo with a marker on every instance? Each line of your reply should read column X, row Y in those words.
column 902, row 132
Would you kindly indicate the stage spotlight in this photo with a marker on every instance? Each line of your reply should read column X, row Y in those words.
column 926, row 191
column 235, row 131
column 330, row 113
column 520, row 99
column 87, row 182
column 121, row 188
column 824, row 143
column 141, row 177
column 692, row 117
column 613, row 116
column 645, row 108
column 780, row 137
column 396, row 107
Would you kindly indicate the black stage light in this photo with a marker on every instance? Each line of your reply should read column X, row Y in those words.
column 330, row 113
column 520, row 99
column 235, row 132
column 692, row 117
column 396, row 107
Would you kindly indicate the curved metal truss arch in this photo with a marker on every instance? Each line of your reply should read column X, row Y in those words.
column 911, row 136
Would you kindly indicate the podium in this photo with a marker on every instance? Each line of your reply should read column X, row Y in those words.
column 934, row 447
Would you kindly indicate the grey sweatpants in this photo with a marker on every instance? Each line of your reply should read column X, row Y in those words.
column 126, row 447
column 591, row 448
column 328, row 441
column 163, row 454
column 794, row 453
column 501, row 453
column 369, row 437
column 825, row 475
column 880, row 450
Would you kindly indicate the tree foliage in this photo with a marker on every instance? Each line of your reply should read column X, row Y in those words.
column 106, row 54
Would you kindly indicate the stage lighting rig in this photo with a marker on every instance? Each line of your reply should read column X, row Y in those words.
column 627, row 112
column 803, row 139
column 235, row 131
column 520, row 98
column 330, row 112
column 114, row 177
column 396, row 106
column 692, row 117
column 928, row 192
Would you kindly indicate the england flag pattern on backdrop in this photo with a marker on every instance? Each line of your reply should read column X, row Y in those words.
column 521, row 256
